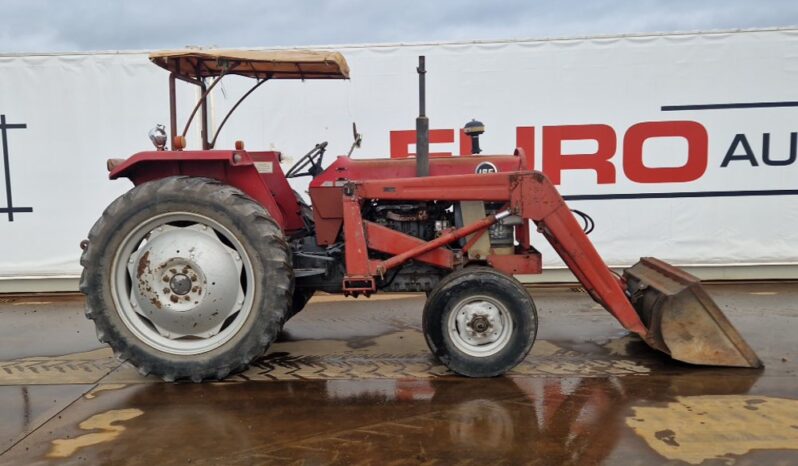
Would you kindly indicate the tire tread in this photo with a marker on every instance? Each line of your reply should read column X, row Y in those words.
column 272, row 250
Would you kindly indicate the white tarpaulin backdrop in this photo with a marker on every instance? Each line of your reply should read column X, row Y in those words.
column 80, row 109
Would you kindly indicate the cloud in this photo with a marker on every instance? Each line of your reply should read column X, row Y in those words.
column 81, row 25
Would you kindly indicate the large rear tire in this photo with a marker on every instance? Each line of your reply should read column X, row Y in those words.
column 479, row 322
column 186, row 277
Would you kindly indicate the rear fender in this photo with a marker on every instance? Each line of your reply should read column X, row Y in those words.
column 252, row 173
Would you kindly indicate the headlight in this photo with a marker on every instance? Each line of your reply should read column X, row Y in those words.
column 158, row 136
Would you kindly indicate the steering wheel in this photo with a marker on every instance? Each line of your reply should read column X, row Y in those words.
column 310, row 162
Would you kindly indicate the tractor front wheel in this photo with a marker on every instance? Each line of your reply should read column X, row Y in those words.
column 479, row 322
column 186, row 277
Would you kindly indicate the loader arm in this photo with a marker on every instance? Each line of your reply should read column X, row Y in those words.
column 532, row 196
column 663, row 304
column 536, row 198
column 666, row 306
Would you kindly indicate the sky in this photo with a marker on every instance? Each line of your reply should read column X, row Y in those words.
column 85, row 25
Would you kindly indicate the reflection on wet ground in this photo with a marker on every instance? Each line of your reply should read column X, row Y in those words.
column 352, row 382
column 512, row 420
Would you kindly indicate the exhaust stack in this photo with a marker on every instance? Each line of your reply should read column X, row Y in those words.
column 422, row 123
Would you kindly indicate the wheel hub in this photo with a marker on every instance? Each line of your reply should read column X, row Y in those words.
column 186, row 282
column 479, row 323
column 480, row 326
column 180, row 283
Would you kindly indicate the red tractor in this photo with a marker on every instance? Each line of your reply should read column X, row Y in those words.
column 193, row 272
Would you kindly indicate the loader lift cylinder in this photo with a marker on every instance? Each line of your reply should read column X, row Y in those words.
column 422, row 123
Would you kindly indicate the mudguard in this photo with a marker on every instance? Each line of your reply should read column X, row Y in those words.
column 258, row 174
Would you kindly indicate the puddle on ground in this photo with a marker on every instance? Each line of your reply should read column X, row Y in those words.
column 697, row 428
column 102, row 388
column 105, row 422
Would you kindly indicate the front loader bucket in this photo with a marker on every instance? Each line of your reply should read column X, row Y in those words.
column 682, row 320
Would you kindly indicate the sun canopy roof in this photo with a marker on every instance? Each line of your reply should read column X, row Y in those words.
column 281, row 64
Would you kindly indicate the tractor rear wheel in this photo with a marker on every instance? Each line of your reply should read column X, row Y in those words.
column 479, row 322
column 186, row 277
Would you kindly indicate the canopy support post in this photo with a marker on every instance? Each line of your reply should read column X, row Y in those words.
column 204, row 115
column 203, row 102
column 172, row 110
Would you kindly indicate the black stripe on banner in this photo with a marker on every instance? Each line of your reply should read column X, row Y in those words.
column 598, row 197
column 672, row 108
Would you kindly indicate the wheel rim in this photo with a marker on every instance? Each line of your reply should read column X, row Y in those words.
column 480, row 326
column 182, row 283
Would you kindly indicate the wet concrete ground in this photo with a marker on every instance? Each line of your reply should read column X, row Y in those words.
column 352, row 382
